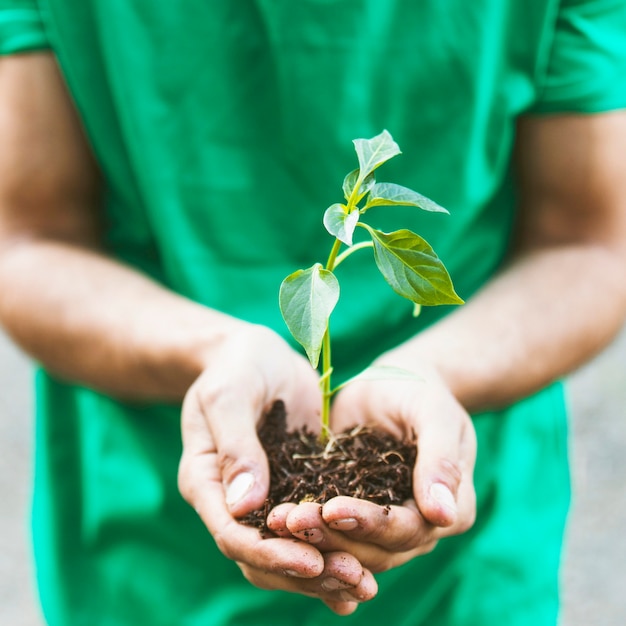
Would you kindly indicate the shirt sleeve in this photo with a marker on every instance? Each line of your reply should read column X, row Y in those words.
column 585, row 70
column 21, row 27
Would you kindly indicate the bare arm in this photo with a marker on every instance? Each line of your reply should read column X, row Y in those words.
column 560, row 299
column 88, row 318
column 563, row 296
column 83, row 315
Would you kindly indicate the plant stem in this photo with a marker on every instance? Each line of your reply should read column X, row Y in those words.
column 357, row 246
column 330, row 264
column 325, row 382
column 326, row 358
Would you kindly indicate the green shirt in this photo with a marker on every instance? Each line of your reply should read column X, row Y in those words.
column 223, row 129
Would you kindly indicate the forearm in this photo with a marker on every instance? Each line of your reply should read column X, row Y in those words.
column 90, row 319
column 543, row 316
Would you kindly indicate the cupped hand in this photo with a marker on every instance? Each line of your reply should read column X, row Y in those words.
column 444, row 501
column 224, row 473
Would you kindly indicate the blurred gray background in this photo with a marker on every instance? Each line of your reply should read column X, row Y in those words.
column 594, row 579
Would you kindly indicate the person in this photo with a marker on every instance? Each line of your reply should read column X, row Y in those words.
column 164, row 166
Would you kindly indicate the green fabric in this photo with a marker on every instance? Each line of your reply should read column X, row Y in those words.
column 134, row 553
column 586, row 71
column 21, row 27
column 224, row 129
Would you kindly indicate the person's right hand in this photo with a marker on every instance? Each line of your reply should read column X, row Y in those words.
column 224, row 471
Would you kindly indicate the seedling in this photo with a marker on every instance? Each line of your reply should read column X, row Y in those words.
column 406, row 261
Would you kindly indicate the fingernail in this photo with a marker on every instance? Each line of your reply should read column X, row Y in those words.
column 310, row 535
column 345, row 596
column 349, row 523
column 443, row 496
column 292, row 573
column 333, row 584
column 239, row 487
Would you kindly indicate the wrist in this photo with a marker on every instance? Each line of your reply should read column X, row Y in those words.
column 187, row 348
column 430, row 362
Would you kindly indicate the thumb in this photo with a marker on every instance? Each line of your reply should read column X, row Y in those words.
column 436, row 484
column 220, row 435
column 441, row 465
column 241, row 457
column 246, row 485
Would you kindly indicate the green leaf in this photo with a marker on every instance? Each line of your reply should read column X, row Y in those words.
column 307, row 298
column 374, row 152
column 389, row 194
column 351, row 180
column 380, row 372
column 341, row 224
column 412, row 268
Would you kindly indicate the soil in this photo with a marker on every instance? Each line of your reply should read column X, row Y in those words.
column 363, row 463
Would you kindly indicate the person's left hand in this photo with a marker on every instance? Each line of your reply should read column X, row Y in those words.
column 224, row 473
column 444, row 499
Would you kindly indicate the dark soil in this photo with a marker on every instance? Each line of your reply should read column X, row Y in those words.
column 363, row 463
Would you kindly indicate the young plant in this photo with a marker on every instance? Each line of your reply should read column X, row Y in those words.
column 406, row 261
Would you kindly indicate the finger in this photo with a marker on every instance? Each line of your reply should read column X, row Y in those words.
column 305, row 522
column 466, row 494
column 342, row 581
column 341, row 608
column 245, row 544
column 444, row 461
column 200, row 483
column 342, row 571
column 219, row 420
column 393, row 528
column 277, row 519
